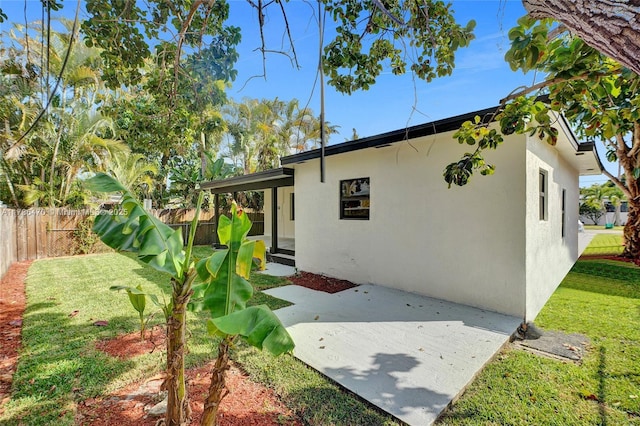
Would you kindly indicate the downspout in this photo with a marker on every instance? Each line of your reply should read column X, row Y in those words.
column 321, row 73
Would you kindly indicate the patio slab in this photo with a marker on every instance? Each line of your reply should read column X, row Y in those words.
column 407, row 354
column 278, row 270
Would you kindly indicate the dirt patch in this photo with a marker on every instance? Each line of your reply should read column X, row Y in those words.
column 12, row 304
column 321, row 282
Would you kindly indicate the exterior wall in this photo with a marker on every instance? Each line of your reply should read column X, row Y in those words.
column 286, row 226
column 466, row 245
column 549, row 256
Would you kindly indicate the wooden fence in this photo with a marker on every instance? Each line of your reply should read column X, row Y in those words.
column 40, row 233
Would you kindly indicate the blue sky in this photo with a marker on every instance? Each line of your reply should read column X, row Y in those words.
column 481, row 77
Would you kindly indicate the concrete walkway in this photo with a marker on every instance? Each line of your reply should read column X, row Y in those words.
column 407, row 354
column 584, row 238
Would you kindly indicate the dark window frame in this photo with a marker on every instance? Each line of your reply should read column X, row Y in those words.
column 355, row 198
column 564, row 212
column 543, row 198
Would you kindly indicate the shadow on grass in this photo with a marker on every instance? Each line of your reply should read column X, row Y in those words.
column 602, row 377
column 623, row 278
column 58, row 366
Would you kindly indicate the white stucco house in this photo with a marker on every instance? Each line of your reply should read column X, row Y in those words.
column 384, row 214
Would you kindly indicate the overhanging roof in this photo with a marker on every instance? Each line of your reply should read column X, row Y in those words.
column 274, row 178
column 407, row 133
column 583, row 156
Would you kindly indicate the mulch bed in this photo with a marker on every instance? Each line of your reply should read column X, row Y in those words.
column 248, row 404
column 610, row 257
column 320, row 282
column 12, row 304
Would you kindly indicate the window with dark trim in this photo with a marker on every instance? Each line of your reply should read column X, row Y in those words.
column 354, row 199
column 292, row 206
column 543, row 199
column 564, row 210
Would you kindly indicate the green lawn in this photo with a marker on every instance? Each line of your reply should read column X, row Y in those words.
column 59, row 365
column 604, row 244
column 599, row 298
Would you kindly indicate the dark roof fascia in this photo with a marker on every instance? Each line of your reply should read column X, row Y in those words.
column 569, row 132
column 590, row 147
column 274, row 178
column 427, row 129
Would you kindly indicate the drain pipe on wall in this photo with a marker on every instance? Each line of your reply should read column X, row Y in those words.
column 321, row 72
column 522, row 329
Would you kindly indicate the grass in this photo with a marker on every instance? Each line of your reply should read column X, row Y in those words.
column 604, row 245
column 600, row 299
column 59, row 365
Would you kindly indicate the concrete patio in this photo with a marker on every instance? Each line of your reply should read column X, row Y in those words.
column 407, row 354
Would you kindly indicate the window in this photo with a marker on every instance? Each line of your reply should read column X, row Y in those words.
column 292, row 206
column 354, row 199
column 543, row 194
column 564, row 210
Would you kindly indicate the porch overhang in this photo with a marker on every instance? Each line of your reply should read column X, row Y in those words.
column 268, row 179
column 274, row 178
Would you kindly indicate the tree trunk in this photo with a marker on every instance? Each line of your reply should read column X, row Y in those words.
column 610, row 26
column 632, row 231
column 217, row 389
column 178, row 409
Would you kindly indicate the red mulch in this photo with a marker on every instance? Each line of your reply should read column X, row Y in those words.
column 247, row 404
column 12, row 303
column 611, row 257
column 321, row 282
column 130, row 345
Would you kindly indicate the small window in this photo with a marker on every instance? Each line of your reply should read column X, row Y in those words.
column 292, row 206
column 543, row 195
column 354, row 199
column 564, row 210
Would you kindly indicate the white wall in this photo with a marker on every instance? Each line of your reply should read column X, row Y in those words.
column 608, row 217
column 549, row 255
column 286, row 226
column 461, row 244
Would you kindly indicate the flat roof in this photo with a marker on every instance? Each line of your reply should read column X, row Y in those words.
column 274, row 178
column 586, row 164
column 407, row 133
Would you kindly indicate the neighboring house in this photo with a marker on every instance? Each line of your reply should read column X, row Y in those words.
column 384, row 214
column 609, row 215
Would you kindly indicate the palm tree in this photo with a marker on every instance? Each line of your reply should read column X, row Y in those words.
column 615, row 196
column 71, row 137
column 259, row 132
column 133, row 171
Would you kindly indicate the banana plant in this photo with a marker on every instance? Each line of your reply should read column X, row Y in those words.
column 138, row 299
column 224, row 291
column 218, row 284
